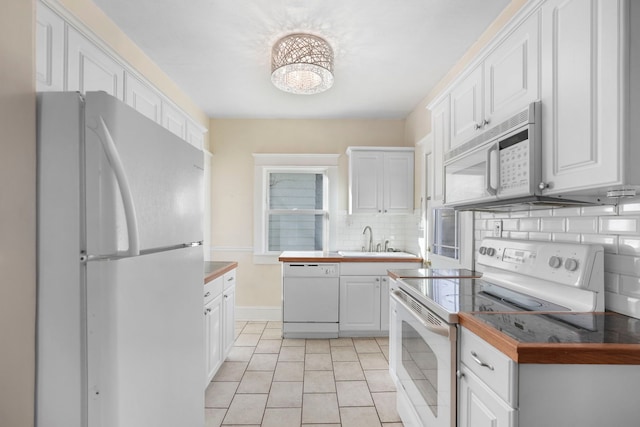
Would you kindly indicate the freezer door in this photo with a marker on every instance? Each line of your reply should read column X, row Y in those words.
column 145, row 346
column 160, row 175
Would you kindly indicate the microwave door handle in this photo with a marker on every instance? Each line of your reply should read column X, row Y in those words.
column 490, row 189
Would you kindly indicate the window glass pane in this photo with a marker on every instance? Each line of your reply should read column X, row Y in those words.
column 295, row 191
column 297, row 232
column 445, row 233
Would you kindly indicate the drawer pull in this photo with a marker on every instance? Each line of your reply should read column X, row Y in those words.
column 207, row 294
column 476, row 359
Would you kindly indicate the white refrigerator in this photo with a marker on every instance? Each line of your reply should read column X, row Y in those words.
column 120, row 268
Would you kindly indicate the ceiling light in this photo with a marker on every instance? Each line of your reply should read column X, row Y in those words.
column 302, row 64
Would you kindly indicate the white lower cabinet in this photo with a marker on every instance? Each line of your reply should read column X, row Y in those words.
column 213, row 337
column 219, row 321
column 360, row 303
column 364, row 297
column 479, row 406
column 228, row 312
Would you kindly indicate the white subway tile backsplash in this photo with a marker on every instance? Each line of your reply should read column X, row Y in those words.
column 510, row 224
column 519, row 214
column 546, row 237
column 582, row 225
column 530, row 224
column 609, row 243
column 566, row 237
column 619, row 225
column 622, row 304
column 611, row 282
column 567, row 212
column 622, row 264
column 629, row 208
column 630, row 286
column 599, row 210
column 552, row 225
column 519, row 235
column 629, row 245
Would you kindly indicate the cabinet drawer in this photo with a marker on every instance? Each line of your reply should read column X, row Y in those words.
column 494, row 368
column 229, row 278
column 213, row 289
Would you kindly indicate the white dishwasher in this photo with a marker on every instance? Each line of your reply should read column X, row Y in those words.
column 310, row 295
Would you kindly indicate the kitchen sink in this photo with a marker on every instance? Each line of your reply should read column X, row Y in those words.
column 362, row 254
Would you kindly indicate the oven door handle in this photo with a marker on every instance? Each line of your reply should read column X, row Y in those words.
column 436, row 329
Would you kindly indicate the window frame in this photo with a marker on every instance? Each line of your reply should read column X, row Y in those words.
column 264, row 165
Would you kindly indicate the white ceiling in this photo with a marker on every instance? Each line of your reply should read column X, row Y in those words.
column 388, row 53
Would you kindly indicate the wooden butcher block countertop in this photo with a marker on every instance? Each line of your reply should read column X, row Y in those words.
column 215, row 269
column 559, row 338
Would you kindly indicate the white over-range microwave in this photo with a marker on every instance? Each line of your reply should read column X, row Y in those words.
column 502, row 164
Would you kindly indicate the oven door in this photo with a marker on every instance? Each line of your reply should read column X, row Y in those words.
column 424, row 349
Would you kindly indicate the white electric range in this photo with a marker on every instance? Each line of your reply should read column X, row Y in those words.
column 517, row 276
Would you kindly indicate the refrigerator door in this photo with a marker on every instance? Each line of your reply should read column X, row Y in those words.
column 145, row 345
column 137, row 171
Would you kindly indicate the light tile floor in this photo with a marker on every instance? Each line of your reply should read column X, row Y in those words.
column 269, row 381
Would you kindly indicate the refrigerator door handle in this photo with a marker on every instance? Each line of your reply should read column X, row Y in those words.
column 111, row 151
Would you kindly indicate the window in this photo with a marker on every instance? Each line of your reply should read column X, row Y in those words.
column 445, row 233
column 294, row 197
column 296, row 214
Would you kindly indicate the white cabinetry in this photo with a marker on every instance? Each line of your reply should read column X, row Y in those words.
column 91, row 69
column 360, row 303
column 364, row 297
column 49, row 50
column 585, row 90
column 380, row 180
column 487, row 385
column 142, row 98
column 441, row 131
column 228, row 312
column 505, row 82
column 213, row 327
column 90, row 65
column 502, row 393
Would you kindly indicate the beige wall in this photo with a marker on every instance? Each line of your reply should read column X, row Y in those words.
column 233, row 142
column 17, row 214
column 419, row 121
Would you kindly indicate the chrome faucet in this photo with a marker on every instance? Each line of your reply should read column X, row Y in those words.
column 370, row 237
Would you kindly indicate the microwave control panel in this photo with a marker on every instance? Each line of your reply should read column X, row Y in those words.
column 514, row 167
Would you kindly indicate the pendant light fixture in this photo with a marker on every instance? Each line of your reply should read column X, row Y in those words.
column 302, row 64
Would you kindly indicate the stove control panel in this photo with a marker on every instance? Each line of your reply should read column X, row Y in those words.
column 565, row 263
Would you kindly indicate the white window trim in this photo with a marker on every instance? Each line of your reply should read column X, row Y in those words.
column 465, row 236
column 266, row 163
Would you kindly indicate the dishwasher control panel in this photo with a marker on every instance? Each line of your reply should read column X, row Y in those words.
column 307, row 269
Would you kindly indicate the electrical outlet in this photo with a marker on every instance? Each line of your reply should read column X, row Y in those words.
column 497, row 228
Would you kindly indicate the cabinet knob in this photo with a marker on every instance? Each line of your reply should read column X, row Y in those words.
column 485, row 122
column 477, row 126
column 543, row 186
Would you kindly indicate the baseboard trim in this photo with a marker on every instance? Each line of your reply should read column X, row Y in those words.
column 258, row 313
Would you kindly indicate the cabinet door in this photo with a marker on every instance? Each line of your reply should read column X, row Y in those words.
column 511, row 72
column 478, row 406
column 49, row 50
column 384, row 303
column 582, row 63
column 174, row 120
column 213, row 337
column 228, row 321
column 440, row 128
column 365, row 173
column 91, row 69
column 360, row 303
column 466, row 108
column 142, row 98
column 398, row 182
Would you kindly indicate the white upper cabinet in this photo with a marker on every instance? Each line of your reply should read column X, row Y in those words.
column 380, row 181
column 142, row 98
column 49, row 50
column 504, row 82
column 585, row 48
column 89, row 65
column 440, row 129
column 91, row 69
column 511, row 72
